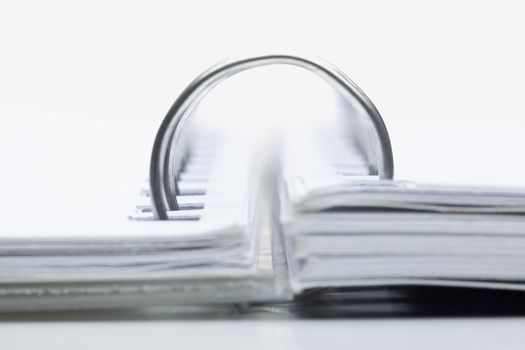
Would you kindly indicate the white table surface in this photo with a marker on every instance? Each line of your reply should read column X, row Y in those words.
column 166, row 332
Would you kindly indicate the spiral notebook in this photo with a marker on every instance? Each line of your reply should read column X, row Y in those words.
column 222, row 219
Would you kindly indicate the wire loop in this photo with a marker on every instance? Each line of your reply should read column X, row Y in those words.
column 163, row 177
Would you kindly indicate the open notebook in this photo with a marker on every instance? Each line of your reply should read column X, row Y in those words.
column 255, row 224
column 345, row 228
column 216, row 248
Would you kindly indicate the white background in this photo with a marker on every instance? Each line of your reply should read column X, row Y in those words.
column 74, row 73
column 430, row 67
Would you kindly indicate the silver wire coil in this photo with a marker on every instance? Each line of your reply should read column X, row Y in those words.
column 163, row 174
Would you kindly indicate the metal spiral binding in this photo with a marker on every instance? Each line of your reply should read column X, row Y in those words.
column 163, row 165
